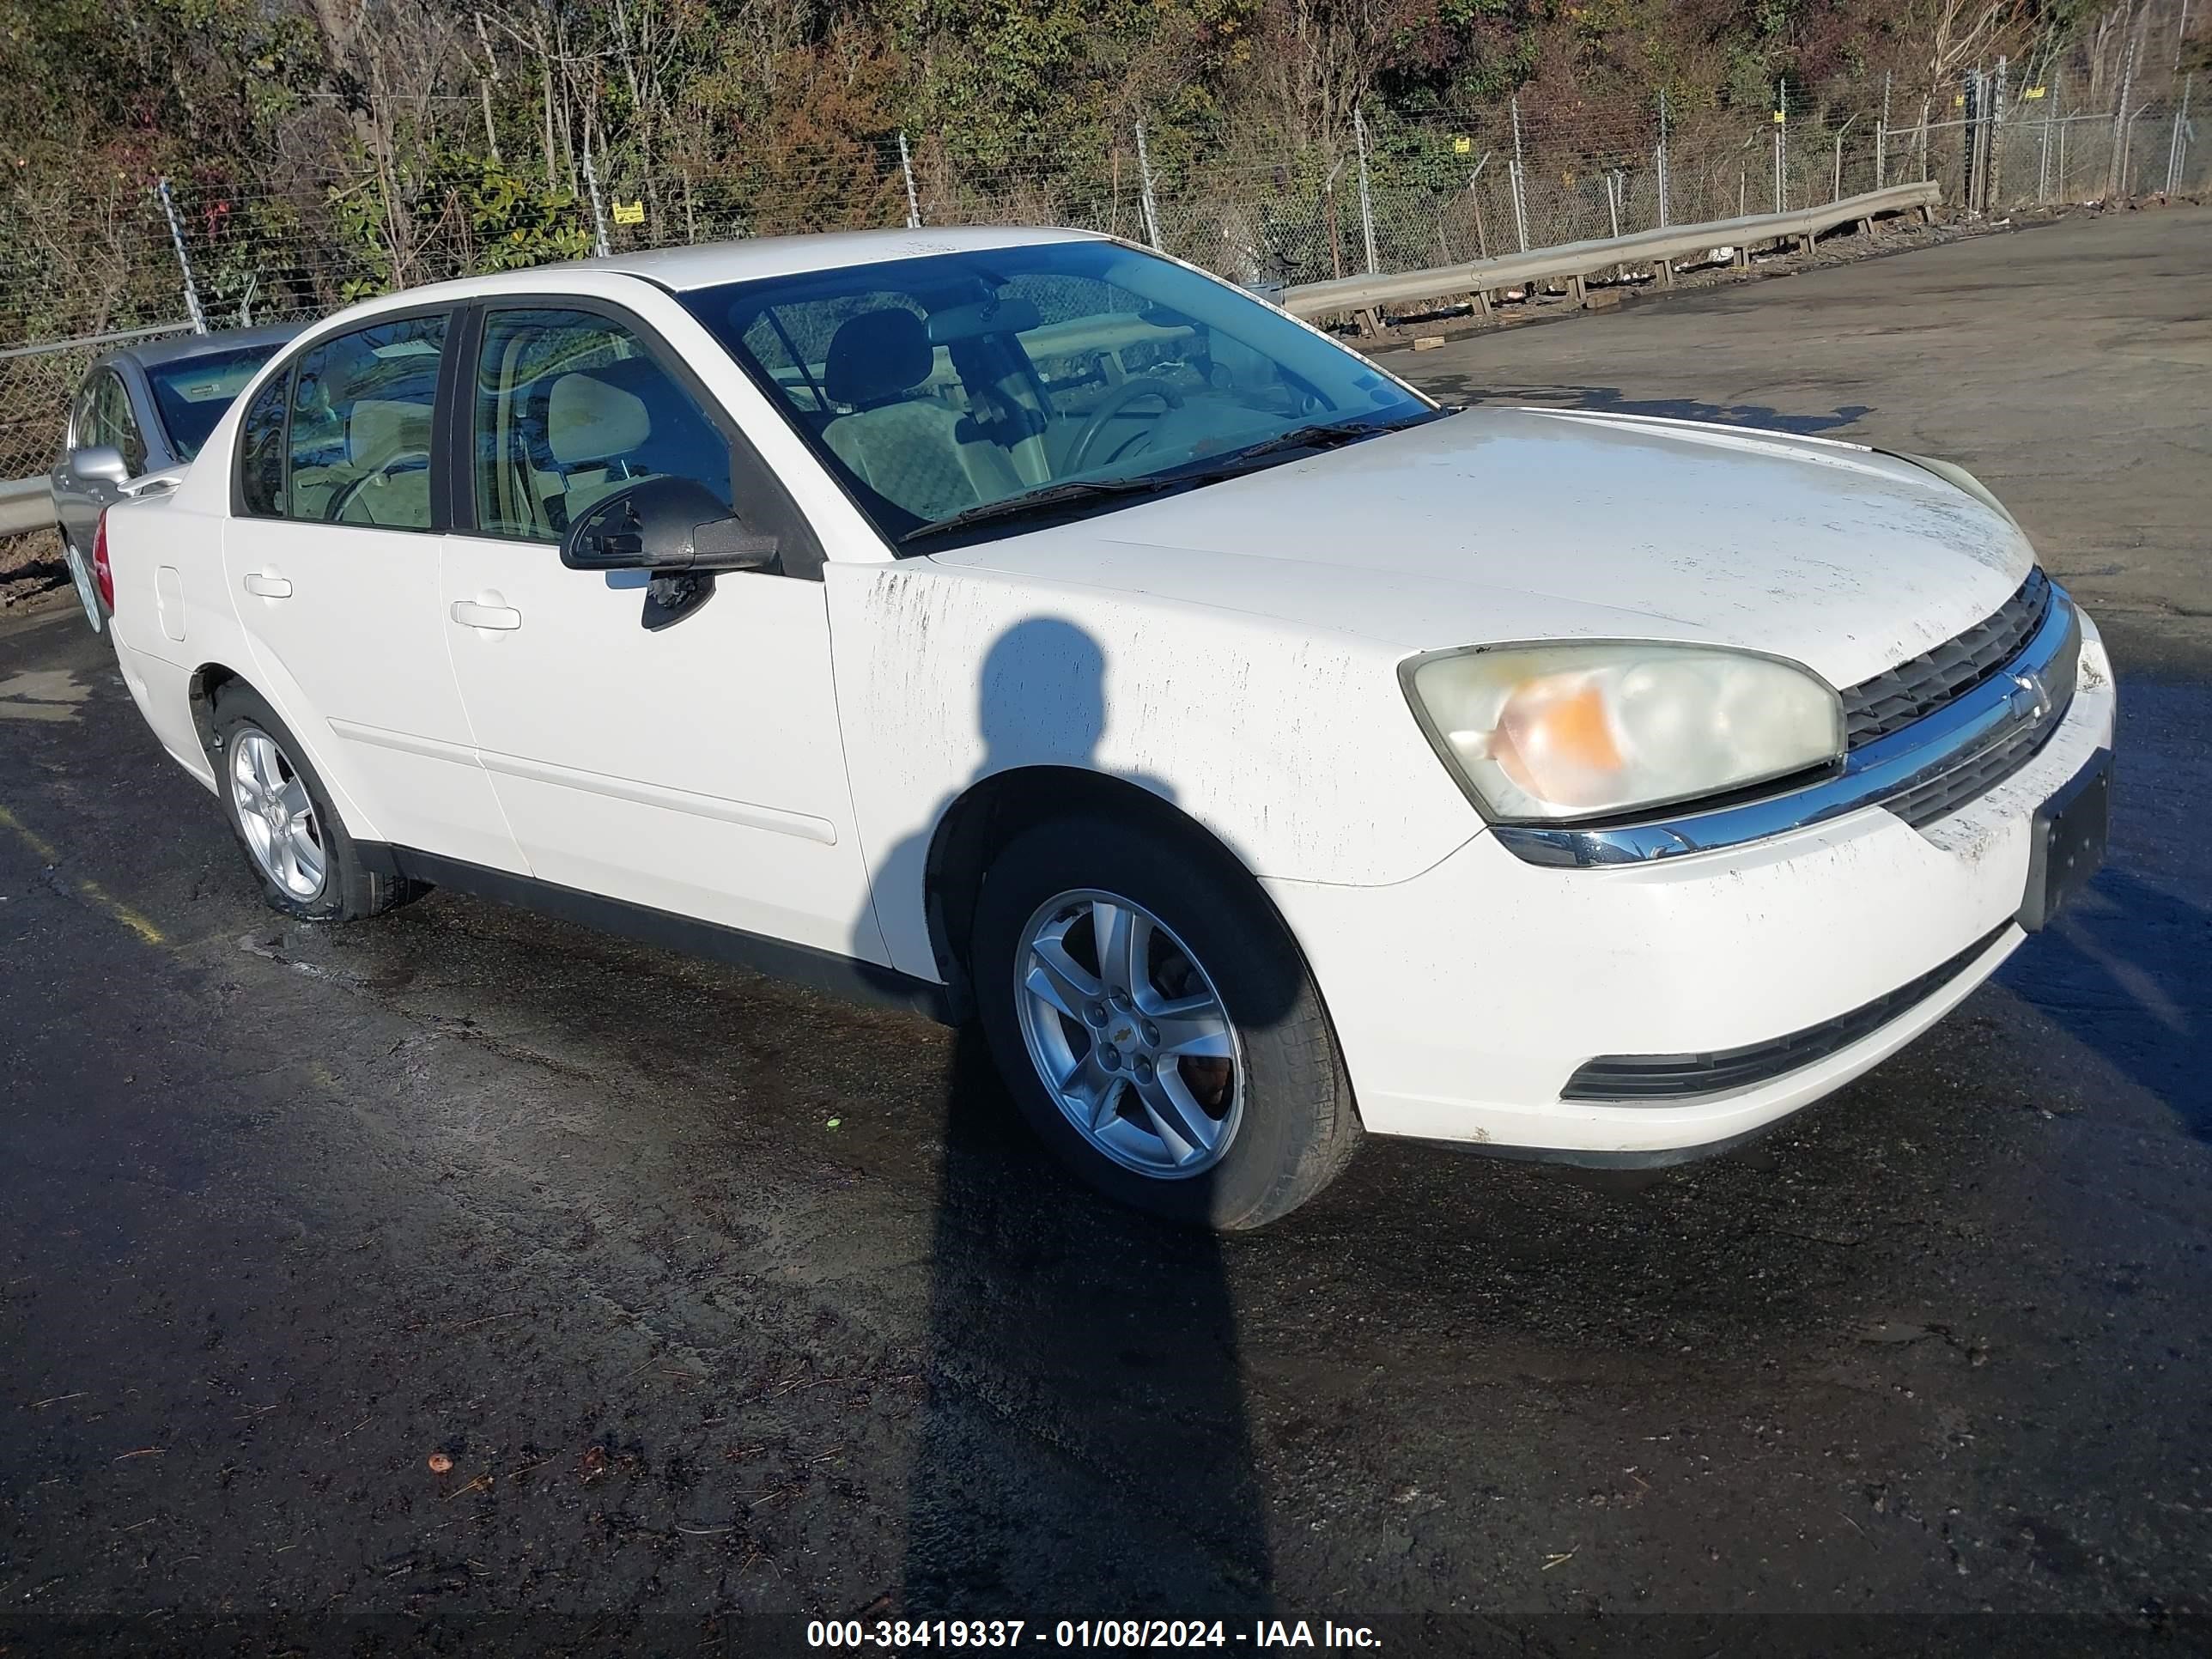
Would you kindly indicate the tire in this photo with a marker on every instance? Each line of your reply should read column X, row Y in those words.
column 250, row 749
column 88, row 592
column 1283, row 1121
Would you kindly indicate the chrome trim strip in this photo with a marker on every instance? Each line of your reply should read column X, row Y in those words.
column 1953, row 736
column 774, row 819
column 426, row 748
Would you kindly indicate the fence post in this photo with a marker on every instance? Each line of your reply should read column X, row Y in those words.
column 1662, row 158
column 2112, row 178
column 1520, row 207
column 599, row 207
column 1781, row 126
column 2055, row 98
column 1836, row 189
column 1972, row 138
column 906, row 170
column 1881, row 139
column 2043, row 150
column 2175, row 149
column 1145, row 189
column 1993, row 179
column 1366, row 205
column 183, row 260
column 1612, row 200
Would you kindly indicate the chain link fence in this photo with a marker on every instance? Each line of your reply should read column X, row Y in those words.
column 1391, row 194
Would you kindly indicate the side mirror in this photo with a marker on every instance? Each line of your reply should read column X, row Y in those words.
column 669, row 524
column 676, row 532
column 99, row 464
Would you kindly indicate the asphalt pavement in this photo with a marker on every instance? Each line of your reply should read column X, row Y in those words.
column 723, row 1307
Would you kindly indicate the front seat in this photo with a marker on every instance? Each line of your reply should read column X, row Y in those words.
column 591, row 430
column 907, row 449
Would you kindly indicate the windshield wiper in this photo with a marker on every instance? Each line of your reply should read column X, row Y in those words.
column 1321, row 435
column 1045, row 498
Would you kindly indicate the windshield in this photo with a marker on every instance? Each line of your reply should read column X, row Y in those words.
column 962, row 385
column 191, row 393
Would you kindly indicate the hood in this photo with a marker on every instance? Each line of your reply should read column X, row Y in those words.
column 1493, row 526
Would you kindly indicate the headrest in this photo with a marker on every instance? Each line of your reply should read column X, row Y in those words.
column 875, row 356
column 587, row 420
column 378, row 428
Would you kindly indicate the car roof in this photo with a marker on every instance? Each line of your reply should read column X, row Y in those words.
column 709, row 264
column 178, row 348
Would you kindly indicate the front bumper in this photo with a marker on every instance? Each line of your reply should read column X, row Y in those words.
column 1467, row 999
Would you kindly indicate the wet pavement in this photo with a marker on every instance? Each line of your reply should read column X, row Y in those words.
column 732, row 1307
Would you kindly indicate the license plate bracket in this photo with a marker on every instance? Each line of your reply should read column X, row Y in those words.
column 2071, row 832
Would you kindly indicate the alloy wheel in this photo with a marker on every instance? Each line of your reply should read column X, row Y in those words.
column 1129, row 1035
column 283, row 831
column 88, row 592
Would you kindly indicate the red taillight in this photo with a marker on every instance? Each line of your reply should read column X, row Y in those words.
column 103, row 574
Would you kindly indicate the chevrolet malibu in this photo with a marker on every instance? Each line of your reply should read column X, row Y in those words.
column 1022, row 627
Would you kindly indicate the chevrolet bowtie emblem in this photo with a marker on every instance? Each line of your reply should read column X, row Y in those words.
column 2031, row 698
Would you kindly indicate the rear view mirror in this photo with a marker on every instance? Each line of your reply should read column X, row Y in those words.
column 1012, row 315
column 99, row 464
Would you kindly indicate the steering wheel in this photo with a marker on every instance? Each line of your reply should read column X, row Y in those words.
column 406, row 461
column 1119, row 398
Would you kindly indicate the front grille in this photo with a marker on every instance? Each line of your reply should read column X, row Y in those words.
column 1939, row 797
column 1672, row 1077
column 1896, row 697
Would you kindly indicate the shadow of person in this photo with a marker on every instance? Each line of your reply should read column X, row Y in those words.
column 1083, row 1449
column 2127, row 969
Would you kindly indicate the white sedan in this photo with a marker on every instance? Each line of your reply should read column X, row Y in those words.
column 1020, row 626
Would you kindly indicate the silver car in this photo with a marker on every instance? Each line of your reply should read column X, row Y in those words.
column 142, row 411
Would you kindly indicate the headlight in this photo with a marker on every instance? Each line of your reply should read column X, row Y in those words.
column 1583, row 730
column 1958, row 477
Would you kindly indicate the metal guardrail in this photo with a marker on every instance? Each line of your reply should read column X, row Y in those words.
column 26, row 504
column 1366, row 297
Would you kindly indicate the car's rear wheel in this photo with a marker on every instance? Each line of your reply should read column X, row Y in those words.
column 293, row 839
column 1157, row 1025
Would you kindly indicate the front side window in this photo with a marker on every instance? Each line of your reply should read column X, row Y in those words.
column 191, row 395
column 968, row 387
column 569, row 406
column 261, row 451
column 113, row 422
column 359, row 450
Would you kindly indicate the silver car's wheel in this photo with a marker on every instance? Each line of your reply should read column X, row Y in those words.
column 88, row 592
column 1128, row 1035
column 276, row 814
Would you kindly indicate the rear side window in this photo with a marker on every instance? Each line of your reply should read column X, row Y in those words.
column 358, row 449
column 261, row 451
column 570, row 407
column 191, row 395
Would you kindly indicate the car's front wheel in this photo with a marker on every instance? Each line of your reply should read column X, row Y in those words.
column 87, row 591
column 282, row 816
column 1157, row 1025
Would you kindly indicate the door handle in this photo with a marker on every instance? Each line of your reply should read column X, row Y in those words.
column 470, row 614
column 267, row 587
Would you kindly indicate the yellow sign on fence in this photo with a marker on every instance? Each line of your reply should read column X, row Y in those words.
column 2033, row 92
column 630, row 213
column 1462, row 146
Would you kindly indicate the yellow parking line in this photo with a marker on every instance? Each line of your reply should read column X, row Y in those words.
column 37, row 843
column 122, row 913
column 92, row 889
